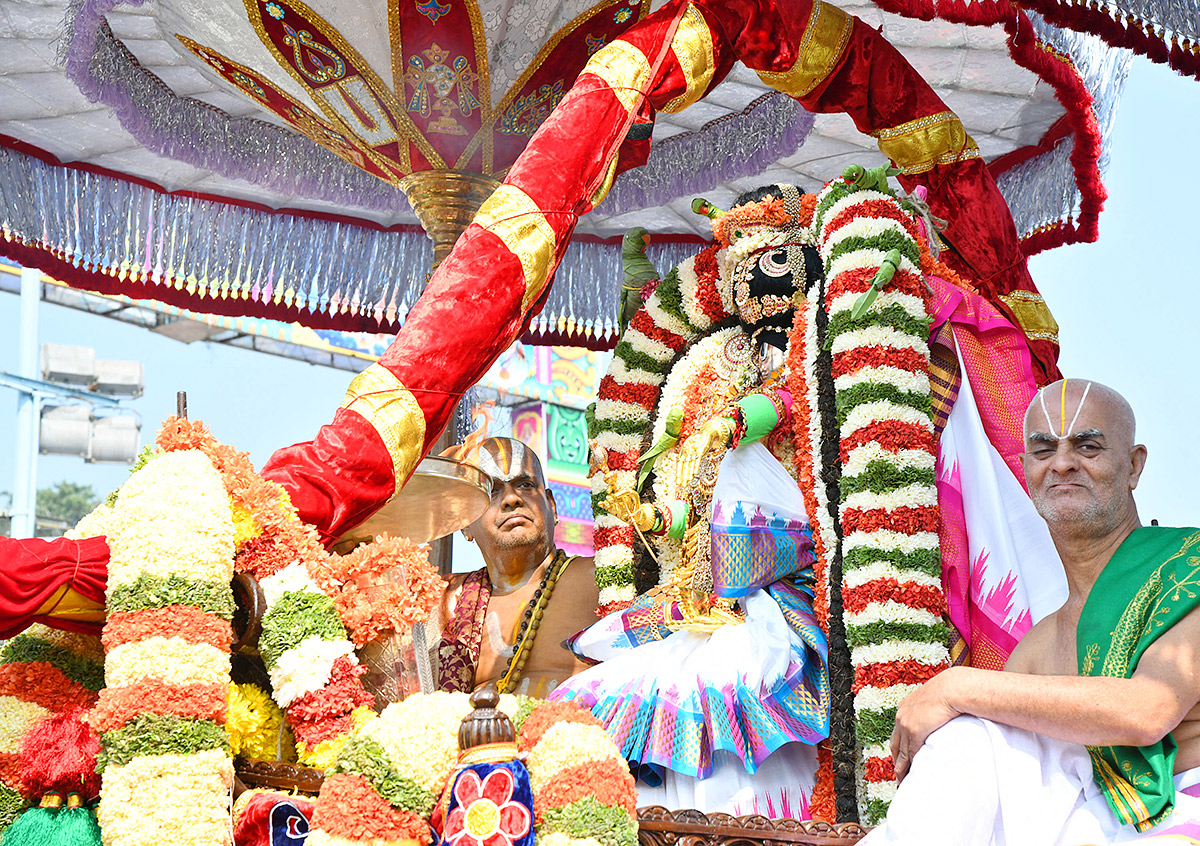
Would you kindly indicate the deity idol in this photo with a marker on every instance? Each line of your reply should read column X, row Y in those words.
column 767, row 502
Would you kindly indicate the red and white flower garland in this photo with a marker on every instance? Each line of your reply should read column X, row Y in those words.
column 161, row 716
column 891, row 588
column 684, row 306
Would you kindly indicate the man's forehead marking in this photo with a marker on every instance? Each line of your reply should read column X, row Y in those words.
column 1066, row 430
column 506, row 463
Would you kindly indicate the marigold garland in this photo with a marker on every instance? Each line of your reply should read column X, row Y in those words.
column 313, row 598
column 45, row 685
column 255, row 725
column 44, row 672
column 385, row 606
column 349, row 807
column 119, row 705
column 406, row 758
column 606, row 781
column 542, row 715
column 185, row 621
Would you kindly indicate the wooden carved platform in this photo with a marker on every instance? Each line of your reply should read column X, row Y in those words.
column 660, row 827
column 656, row 826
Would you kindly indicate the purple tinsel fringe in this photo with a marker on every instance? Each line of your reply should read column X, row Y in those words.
column 735, row 146
column 731, row 147
column 186, row 130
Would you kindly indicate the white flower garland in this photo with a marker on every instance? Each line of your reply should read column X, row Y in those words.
column 636, row 376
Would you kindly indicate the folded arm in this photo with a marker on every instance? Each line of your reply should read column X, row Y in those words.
column 1093, row 711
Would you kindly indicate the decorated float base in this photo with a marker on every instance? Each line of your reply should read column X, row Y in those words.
column 657, row 826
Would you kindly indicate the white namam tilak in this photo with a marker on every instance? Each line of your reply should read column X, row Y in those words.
column 1066, row 430
column 514, row 462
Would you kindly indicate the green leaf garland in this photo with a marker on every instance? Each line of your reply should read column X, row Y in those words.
column 587, row 817
column 160, row 591
column 295, row 616
column 26, row 649
column 159, row 734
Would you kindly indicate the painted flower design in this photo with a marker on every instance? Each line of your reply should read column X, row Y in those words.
column 275, row 10
column 486, row 814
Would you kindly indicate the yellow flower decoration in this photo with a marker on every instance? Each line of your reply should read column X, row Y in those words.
column 325, row 753
column 566, row 745
column 256, row 726
column 244, row 526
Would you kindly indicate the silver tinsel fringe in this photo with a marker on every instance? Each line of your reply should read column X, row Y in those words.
column 193, row 249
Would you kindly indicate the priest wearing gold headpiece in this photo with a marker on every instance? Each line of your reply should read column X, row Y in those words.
column 506, row 622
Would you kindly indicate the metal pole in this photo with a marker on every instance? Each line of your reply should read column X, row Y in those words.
column 24, row 516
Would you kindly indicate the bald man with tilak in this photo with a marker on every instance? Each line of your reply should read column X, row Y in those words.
column 1092, row 733
column 506, row 622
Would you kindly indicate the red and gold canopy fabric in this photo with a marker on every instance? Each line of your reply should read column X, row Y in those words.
column 500, row 269
column 245, row 160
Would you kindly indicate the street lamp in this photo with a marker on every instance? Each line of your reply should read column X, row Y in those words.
column 73, row 384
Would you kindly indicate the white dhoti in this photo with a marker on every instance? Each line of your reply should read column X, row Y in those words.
column 979, row 783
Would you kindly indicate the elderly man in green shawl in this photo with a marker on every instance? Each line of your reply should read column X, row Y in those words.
column 1092, row 733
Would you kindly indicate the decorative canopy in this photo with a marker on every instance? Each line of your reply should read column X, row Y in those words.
column 247, row 157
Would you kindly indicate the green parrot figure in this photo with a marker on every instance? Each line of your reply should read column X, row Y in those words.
column 874, row 179
column 638, row 271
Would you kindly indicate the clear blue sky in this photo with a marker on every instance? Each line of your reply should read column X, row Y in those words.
column 1128, row 309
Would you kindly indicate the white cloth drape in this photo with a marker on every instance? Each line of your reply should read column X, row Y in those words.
column 979, row 783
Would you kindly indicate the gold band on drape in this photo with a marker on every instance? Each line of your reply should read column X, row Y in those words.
column 824, row 41
column 379, row 397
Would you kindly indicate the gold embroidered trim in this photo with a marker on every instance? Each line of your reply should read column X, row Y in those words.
column 489, row 753
column 1130, row 804
column 386, row 98
column 487, row 116
column 610, row 176
column 824, row 41
column 920, row 145
column 391, row 409
column 625, row 69
column 513, row 216
column 1032, row 314
column 544, row 54
column 693, row 49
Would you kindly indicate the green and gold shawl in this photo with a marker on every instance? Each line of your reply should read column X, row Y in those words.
column 1149, row 585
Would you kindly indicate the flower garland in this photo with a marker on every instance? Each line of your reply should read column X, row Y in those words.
column 891, row 586
column 386, row 781
column 686, row 304
column 255, row 725
column 312, row 666
column 44, row 672
column 312, row 598
column 405, row 588
column 269, row 536
column 167, row 772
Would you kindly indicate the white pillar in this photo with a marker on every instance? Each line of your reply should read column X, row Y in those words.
column 25, row 458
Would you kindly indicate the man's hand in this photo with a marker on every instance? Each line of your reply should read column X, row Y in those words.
column 920, row 714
